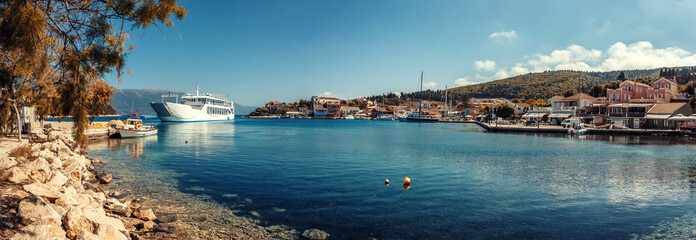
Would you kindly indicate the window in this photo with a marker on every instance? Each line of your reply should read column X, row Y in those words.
column 659, row 95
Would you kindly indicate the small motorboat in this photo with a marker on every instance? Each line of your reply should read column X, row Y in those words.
column 134, row 128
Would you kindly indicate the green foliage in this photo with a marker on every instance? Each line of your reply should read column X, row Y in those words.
column 504, row 110
column 63, row 49
column 547, row 84
column 262, row 111
column 569, row 92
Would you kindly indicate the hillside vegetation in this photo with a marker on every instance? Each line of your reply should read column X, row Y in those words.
column 550, row 83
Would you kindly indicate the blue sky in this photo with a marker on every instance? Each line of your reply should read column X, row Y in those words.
column 284, row 50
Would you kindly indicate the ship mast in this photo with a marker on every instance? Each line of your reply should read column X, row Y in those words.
column 420, row 100
column 197, row 89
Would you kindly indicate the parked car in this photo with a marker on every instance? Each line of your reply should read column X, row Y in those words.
column 531, row 123
column 569, row 122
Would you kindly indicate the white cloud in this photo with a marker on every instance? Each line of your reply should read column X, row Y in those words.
column 500, row 74
column 503, row 36
column 644, row 55
column 486, row 65
column 463, row 82
column 326, row 94
column 429, row 85
column 618, row 56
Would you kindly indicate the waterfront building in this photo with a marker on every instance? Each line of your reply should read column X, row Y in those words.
column 658, row 115
column 578, row 101
column 634, row 92
column 554, row 99
column 323, row 100
column 333, row 109
column 304, row 111
column 346, row 110
column 631, row 115
column 320, row 110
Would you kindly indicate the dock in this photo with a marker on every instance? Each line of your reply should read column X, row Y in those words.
column 558, row 129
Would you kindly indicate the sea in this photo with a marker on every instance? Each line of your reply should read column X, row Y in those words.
column 466, row 183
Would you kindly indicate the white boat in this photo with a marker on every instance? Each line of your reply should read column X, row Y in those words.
column 194, row 108
column 134, row 128
column 421, row 116
column 349, row 117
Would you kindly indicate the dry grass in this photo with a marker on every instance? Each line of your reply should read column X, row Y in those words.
column 22, row 154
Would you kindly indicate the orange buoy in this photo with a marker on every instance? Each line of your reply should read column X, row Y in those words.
column 407, row 186
column 407, row 181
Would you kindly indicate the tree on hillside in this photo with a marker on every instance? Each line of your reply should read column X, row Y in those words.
column 569, row 93
column 63, row 49
column 504, row 110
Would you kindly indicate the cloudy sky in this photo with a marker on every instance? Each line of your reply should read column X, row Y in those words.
column 284, row 50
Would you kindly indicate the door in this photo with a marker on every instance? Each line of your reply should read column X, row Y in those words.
column 636, row 123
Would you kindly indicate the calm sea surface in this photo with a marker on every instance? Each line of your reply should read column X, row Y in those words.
column 466, row 183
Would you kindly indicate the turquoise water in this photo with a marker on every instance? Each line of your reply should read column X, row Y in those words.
column 466, row 183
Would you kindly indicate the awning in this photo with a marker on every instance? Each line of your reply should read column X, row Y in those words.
column 560, row 115
column 657, row 116
column 534, row 115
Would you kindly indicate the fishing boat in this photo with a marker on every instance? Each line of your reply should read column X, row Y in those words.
column 421, row 116
column 134, row 128
column 194, row 108
column 349, row 117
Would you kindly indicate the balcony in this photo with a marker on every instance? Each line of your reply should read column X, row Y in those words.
column 629, row 114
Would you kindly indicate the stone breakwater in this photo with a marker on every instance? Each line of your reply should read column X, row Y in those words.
column 49, row 191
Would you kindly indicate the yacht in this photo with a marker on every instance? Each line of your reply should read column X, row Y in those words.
column 421, row 116
column 194, row 108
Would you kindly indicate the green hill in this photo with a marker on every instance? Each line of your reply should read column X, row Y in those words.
column 550, row 83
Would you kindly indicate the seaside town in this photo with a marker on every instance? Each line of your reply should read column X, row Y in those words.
column 212, row 127
column 633, row 105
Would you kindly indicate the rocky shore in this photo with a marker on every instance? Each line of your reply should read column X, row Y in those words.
column 49, row 191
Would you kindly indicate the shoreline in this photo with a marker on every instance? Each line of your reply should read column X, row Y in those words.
column 50, row 191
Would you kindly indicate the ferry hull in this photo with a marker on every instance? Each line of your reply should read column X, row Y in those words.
column 174, row 112
column 422, row 120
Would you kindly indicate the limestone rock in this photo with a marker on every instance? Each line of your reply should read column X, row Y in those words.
column 6, row 193
column 135, row 236
column 86, row 235
column 98, row 215
column 40, row 231
column 7, row 162
column 117, row 207
column 18, row 175
column 33, row 208
column 107, row 232
column 104, row 177
column 40, row 189
column 134, row 204
column 75, row 221
column 54, row 135
column 145, row 213
column 58, row 179
column 315, row 234
column 146, row 226
column 39, row 170
column 60, row 210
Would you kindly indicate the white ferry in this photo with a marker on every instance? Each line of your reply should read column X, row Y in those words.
column 194, row 108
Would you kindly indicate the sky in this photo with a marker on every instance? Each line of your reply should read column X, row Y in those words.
column 256, row 51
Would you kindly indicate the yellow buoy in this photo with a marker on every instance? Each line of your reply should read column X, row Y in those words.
column 407, row 181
